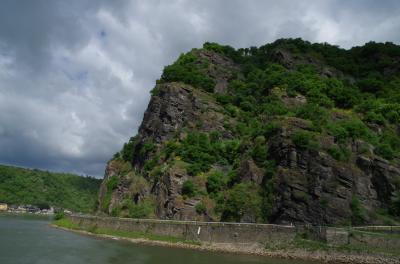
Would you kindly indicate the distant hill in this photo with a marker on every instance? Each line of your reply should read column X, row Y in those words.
column 32, row 186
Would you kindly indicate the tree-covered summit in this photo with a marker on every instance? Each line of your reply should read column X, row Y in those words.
column 20, row 186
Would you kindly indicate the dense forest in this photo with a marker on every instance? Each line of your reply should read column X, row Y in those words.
column 326, row 100
column 43, row 188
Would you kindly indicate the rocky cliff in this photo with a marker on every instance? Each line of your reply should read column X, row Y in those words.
column 283, row 133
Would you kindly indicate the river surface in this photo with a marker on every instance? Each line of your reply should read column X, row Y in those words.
column 31, row 240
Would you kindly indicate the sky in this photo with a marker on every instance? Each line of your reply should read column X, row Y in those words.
column 75, row 75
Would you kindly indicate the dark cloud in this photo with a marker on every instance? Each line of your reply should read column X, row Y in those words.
column 75, row 75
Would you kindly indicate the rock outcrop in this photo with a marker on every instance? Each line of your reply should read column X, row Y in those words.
column 308, row 185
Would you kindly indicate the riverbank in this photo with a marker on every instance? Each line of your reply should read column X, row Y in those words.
column 301, row 249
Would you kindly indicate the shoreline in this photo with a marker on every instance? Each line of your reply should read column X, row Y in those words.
column 297, row 254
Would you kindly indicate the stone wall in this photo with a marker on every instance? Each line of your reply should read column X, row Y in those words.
column 206, row 232
column 384, row 237
column 243, row 235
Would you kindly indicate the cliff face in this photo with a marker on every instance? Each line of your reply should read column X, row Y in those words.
column 221, row 141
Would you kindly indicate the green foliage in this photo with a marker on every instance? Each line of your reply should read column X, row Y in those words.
column 32, row 186
column 128, row 149
column 305, row 140
column 146, row 148
column 225, row 50
column 189, row 189
column 200, row 208
column 268, row 192
column 385, row 151
column 357, row 211
column 197, row 150
column 243, row 199
column 59, row 215
column 112, row 183
column 216, row 182
column 318, row 115
column 187, row 69
column 350, row 129
column 143, row 209
column 339, row 153
column 259, row 151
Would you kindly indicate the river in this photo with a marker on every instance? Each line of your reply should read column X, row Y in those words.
column 31, row 240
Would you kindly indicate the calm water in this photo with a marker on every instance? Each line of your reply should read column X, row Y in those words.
column 30, row 240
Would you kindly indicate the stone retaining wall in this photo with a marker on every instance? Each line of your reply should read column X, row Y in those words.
column 205, row 232
column 242, row 235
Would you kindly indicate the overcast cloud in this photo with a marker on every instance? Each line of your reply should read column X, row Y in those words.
column 75, row 76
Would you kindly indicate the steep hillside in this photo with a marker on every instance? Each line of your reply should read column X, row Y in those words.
column 36, row 187
column 287, row 132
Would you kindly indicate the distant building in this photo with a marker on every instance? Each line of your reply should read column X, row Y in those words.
column 3, row 207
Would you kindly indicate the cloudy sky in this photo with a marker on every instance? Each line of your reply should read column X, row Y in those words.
column 75, row 75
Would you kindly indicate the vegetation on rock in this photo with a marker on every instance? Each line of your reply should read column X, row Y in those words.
column 266, row 134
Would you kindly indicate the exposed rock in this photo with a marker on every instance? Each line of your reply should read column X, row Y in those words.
column 220, row 68
column 313, row 187
column 249, row 171
column 177, row 105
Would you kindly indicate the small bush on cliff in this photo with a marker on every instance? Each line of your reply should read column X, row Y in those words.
column 143, row 209
column 128, row 149
column 200, row 208
column 188, row 188
column 216, row 182
column 243, row 203
column 112, row 183
column 339, row 153
column 187, row 69
column 357, row 211
column 385, row 151
column 305, row 140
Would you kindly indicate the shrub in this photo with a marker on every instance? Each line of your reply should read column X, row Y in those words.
column 59, row 215
column 187, row 70
column 223, row 99
column 216, row 182
column 197, row 150
column 143, row 209
column 150, row 163
column 116, row 211
column 128, row 149
column 339, row 153
column 357, row 212
column 385, row 150
column 146, row 148
column 200, row 208
column 338, row 132
column 188, row 188
column 112, row 183
column 318, row 115
column 259, row 151
column 305, row 140
column 243, row 200
column 351, row 128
